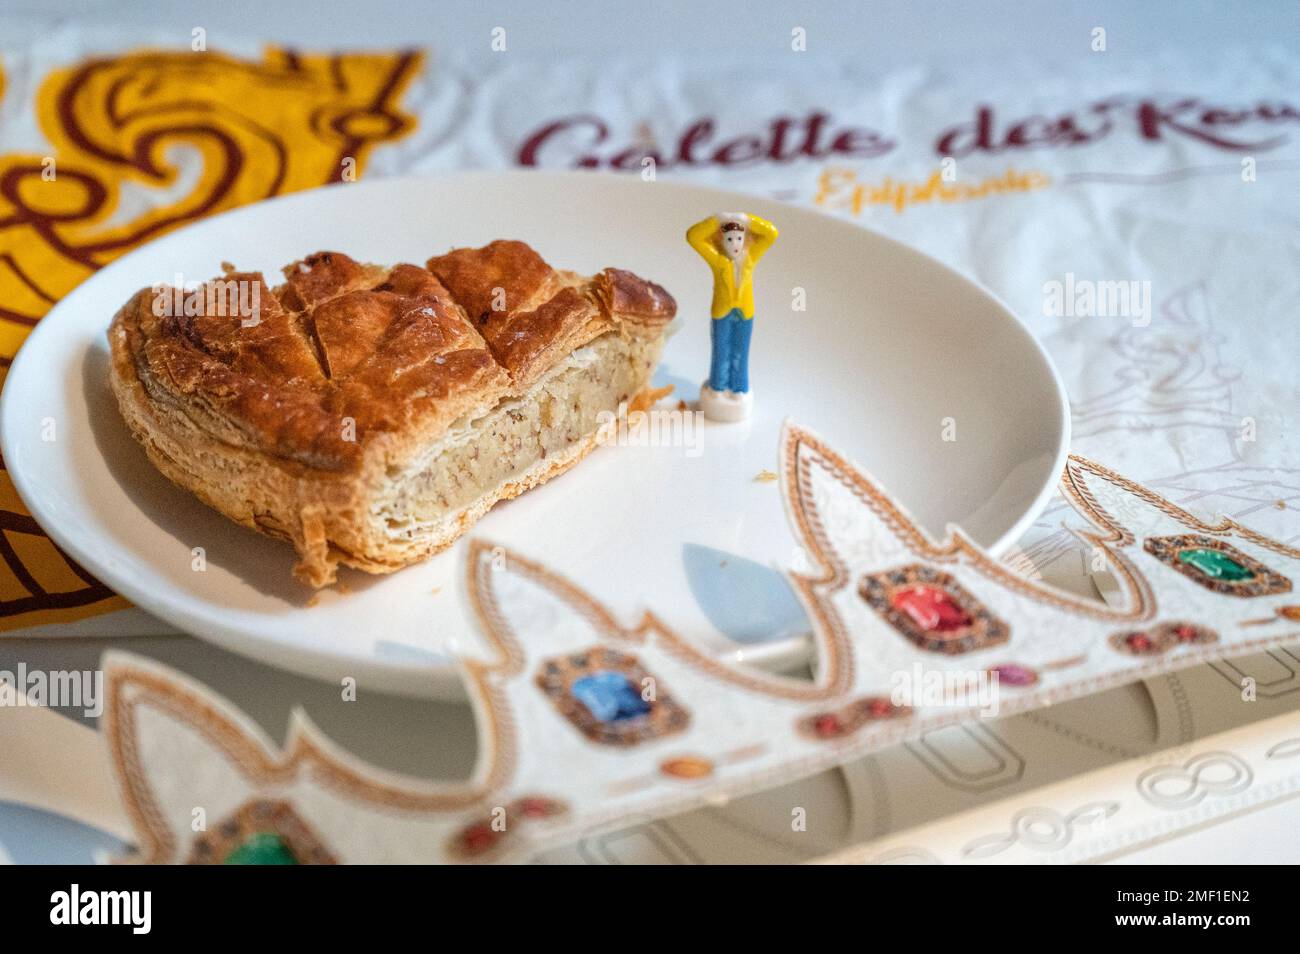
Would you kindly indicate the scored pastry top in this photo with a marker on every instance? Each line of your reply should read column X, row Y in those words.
column 342, row 352
column 529, row 314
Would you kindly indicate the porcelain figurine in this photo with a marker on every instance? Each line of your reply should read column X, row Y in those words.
column 731, row 243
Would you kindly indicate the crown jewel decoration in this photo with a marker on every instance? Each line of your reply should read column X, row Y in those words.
column 586, row 721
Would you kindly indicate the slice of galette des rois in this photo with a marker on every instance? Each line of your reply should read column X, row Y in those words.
column 370, row 415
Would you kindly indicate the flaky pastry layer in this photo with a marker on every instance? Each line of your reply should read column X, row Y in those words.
column 370, row 415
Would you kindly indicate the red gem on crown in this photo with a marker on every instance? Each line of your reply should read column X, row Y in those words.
column 932, row 609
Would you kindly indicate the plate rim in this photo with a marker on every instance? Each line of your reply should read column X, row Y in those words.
column 441, row 680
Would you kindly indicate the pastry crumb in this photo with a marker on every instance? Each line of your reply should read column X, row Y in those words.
column 1281, row 505
column 648, row 398
column 765, row 477
column 314, row 601
column 683, row 406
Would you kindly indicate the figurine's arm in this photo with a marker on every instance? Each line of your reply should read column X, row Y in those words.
column 700, row 237
column 762, row 235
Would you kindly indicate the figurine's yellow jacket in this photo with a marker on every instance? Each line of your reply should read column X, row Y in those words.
column 732, row 290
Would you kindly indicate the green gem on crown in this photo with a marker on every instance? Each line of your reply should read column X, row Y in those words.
column 264, row 848
column 1215, row 564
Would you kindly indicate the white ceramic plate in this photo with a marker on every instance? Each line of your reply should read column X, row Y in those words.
column 891, row 343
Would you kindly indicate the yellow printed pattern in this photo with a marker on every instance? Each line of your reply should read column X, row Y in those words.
column 839, row 188
column 140, row 144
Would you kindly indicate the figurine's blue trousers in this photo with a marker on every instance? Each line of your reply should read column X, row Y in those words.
column 729, row 370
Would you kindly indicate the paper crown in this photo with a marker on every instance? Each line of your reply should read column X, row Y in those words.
column 587, row 722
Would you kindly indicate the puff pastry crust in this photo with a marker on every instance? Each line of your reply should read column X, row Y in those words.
column 370, row 415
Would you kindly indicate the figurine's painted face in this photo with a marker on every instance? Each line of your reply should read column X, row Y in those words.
column 733, row 243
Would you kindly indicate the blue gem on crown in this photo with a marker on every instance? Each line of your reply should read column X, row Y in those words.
column 609, row 696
